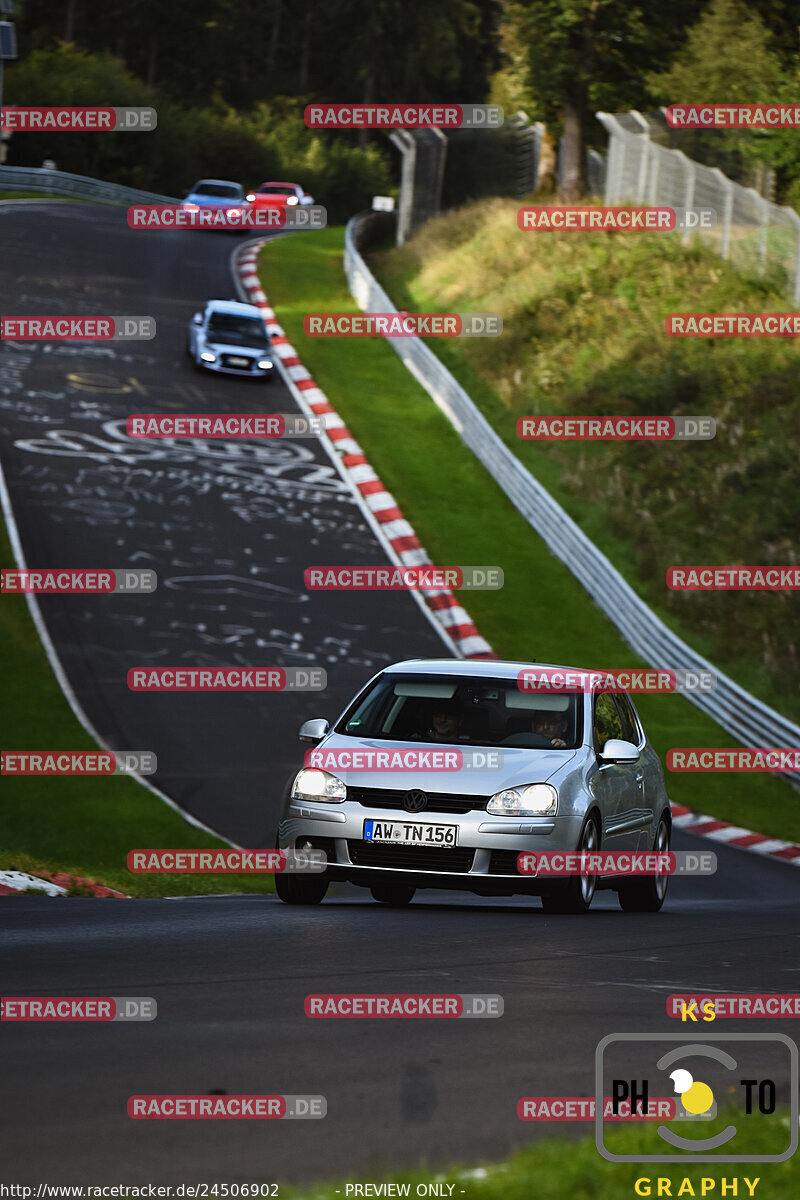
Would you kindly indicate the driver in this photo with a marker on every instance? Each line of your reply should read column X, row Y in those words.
column 446, row 720
column 552, row 725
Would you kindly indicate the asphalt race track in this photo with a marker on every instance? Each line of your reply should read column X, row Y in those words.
column 229, row 527
column 229, row 541
column 230, row 976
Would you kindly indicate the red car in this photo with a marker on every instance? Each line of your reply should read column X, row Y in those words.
column 278, row 195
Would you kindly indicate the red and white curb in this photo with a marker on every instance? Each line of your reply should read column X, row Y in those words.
column 379, row 504
column 12, row 882
column 700, row 825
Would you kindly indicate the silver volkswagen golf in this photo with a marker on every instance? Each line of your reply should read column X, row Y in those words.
column 442, row 772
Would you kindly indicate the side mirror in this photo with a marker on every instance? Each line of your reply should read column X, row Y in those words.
column 616, row 750
column 313, row 731
column 197, row 319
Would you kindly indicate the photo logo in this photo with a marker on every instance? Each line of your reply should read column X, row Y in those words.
column 227, row 679
column 760, row 1070
column 341, row 1004
column 389, row 579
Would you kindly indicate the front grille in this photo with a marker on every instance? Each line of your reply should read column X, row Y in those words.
column 411, row 858
column 503, row 862
column 437, row 801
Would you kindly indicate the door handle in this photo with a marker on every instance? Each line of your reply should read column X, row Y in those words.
column 639, row 778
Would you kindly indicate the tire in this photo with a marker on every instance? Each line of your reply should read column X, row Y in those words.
column 647, row 894
column 300, row 889
column 392, row 894
column 576, row 896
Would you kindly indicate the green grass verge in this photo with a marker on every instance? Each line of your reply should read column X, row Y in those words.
column 45, row 196
column 462, row 517
column 583, row 333
column 82, row 825
column 555, row 1168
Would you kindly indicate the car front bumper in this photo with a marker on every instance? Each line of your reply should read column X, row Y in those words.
column 484, row 859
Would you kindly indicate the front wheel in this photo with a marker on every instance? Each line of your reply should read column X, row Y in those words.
column 647, row 894
column 300, row 889
column 394, row 895
column 576, row 895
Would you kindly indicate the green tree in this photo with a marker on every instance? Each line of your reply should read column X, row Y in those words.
column 727, row 56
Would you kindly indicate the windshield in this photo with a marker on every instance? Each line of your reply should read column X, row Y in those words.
column 464, row 711
column 277, row 189
column 228, row 191
column 232, row 328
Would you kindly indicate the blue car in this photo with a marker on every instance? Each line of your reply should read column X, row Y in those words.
column 216, row 194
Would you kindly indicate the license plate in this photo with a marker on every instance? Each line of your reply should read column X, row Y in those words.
column 239, row 362
column 403, row 833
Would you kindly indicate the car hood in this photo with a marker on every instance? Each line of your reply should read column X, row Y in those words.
column 203, row 201
column 520, row 766
column 234, row 348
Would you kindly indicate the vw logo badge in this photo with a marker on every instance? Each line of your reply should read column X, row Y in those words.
column 415, row 801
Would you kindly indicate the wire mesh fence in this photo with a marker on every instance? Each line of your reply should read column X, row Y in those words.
column 752, row 233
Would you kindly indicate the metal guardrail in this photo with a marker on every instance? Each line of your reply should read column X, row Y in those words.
column 62, row 183
column 738, row 712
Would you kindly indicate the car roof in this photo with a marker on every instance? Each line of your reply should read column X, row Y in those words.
column 234, row 306
column 494, row 668
column 278, row 183
column 224, row 182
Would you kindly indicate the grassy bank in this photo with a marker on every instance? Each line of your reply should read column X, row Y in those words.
column 82, row 825
column 463, row 517
column 583, row 334
column 557, row 1167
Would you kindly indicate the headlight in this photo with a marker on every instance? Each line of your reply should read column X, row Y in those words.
column 311, row 784
column 207, row 356
column 291, row 199
column 251, row 196
column 264, row 364
column 535, row 800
